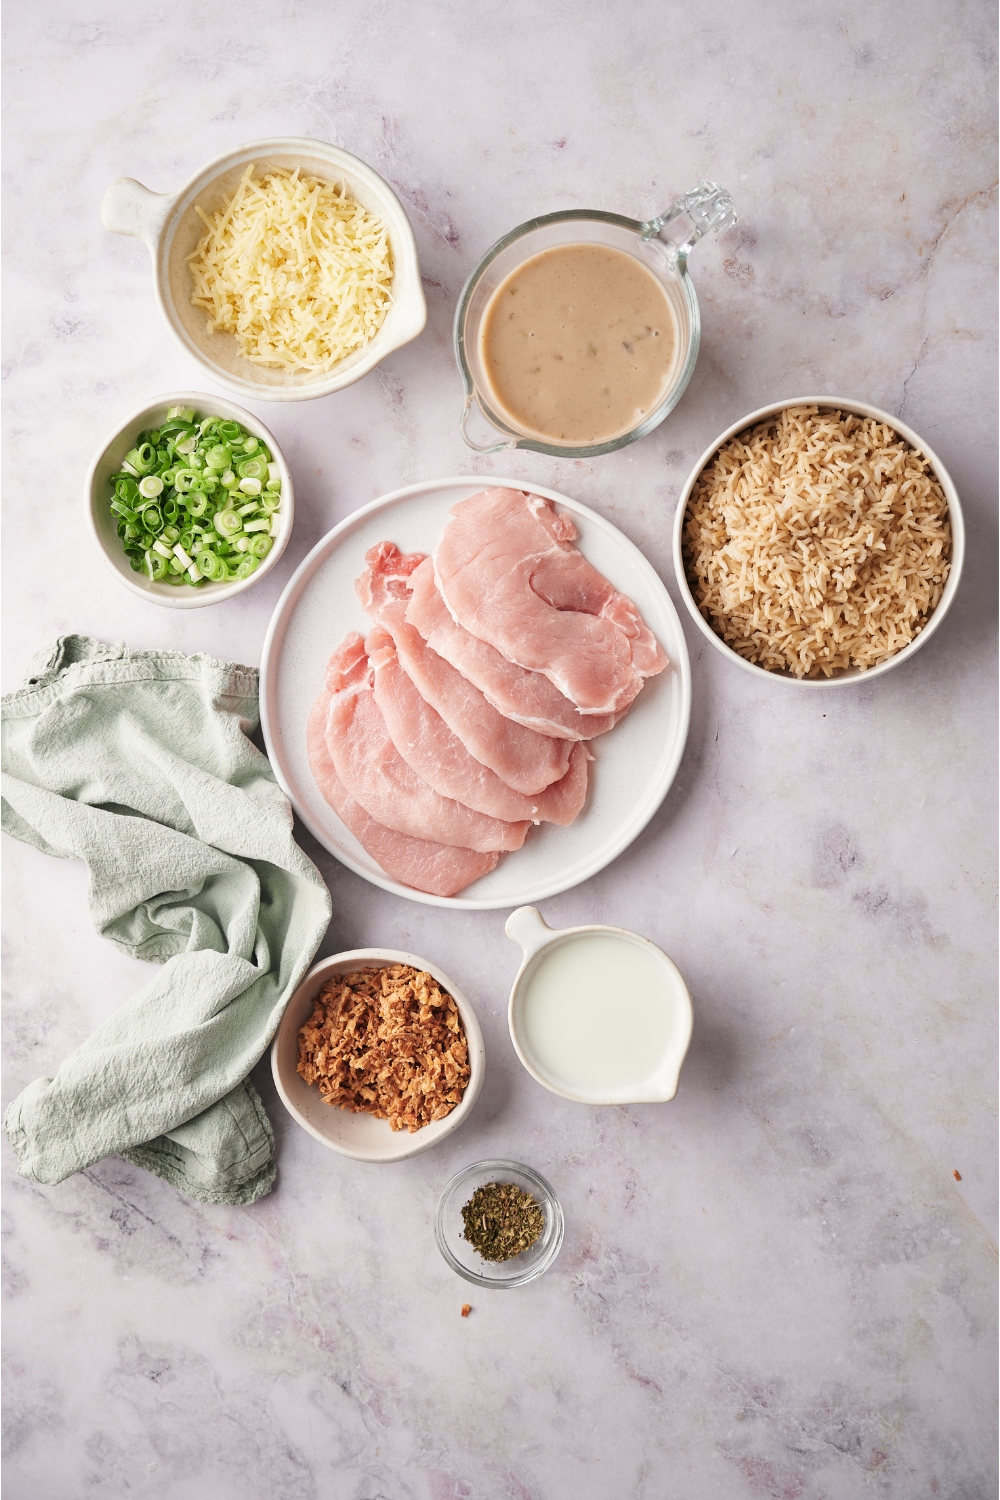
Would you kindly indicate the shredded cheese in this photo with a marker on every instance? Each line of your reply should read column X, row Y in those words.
column 298, row 270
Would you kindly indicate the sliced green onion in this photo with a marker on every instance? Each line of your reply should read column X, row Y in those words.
column 227, row 523
column 275, row 524
column 211, row 566
column 198, row 500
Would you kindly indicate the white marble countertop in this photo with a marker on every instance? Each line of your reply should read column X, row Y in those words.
column 775, row 1286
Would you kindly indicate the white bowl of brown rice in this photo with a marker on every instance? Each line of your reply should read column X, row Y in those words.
column 819, row 541
column 378, row 1055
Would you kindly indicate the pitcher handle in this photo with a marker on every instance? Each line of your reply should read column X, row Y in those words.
column 528, row 927
column 705, row 208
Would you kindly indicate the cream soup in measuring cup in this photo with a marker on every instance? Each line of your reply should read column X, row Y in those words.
column 578, row 343
column 578, row 331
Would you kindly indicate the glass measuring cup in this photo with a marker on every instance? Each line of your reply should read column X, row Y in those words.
column 662, row 245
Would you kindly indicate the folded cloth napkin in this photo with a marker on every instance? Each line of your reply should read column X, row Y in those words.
column 139, row 763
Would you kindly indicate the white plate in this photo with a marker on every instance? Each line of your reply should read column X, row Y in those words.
column 635, row 763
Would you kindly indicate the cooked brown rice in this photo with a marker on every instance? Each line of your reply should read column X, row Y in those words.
column 817, row 541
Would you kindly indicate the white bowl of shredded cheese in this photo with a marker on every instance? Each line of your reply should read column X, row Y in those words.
column 286, row 269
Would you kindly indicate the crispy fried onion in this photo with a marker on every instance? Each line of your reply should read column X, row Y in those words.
column 386, row 1042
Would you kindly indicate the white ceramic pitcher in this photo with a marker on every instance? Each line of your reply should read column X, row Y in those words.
column 526, row 926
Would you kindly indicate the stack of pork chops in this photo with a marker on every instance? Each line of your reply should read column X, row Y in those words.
column 463, row 717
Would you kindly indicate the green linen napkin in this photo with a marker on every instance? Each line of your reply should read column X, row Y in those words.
column 139, row 764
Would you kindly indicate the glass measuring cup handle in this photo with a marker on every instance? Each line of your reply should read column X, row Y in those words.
column 705, row 208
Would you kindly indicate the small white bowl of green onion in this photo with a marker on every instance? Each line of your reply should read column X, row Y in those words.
column 190, row 500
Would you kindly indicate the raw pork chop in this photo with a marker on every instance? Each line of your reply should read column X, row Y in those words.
column 439, row 869
column 507, row 569
column 428, row 746
column 376, row 775
column 527, row 698
column 523, row 758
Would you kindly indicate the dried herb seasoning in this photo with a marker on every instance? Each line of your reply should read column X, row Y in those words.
column 502, row 1220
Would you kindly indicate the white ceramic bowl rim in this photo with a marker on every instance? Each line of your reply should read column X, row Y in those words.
column 859, row 408
column 163, row 593
column 404, row 1144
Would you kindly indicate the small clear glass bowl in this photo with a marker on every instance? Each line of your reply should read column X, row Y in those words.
column 449, row 1228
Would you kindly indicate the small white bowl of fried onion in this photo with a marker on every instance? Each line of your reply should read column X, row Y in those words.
column 353, row 1131
column 818, row 542
column 322, row 285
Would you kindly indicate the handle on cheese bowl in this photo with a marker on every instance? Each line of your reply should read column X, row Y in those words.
column 130, row 208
